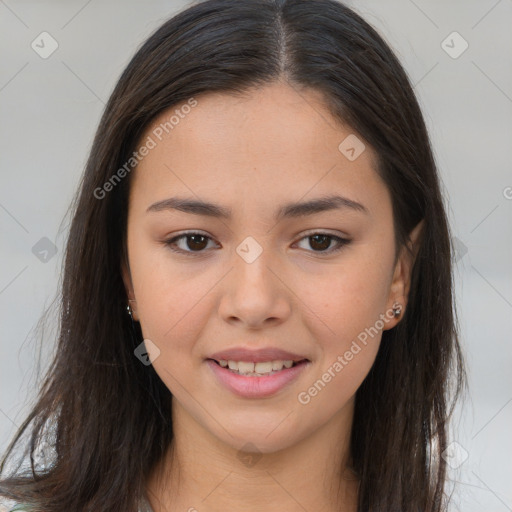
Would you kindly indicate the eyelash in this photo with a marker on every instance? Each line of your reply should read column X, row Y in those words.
column 342, row 242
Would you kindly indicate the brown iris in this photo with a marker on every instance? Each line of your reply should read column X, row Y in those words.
column 199, row 242
column 325, row 241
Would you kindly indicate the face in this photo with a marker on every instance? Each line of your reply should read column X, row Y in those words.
column 320, row 284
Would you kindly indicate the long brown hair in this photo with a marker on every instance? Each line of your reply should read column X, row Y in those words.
column 106, row 415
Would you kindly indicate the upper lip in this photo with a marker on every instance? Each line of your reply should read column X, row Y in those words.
column 256, row 355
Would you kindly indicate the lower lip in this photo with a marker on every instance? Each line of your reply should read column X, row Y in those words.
column 256, row 387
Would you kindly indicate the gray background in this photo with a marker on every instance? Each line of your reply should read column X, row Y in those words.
column 50, row 109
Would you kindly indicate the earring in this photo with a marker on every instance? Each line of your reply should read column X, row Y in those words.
column 129, row 308
column 397, row 309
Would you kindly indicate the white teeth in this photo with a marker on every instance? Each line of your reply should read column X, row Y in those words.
column 266, row 367
column 255, row 369
column 244, row 367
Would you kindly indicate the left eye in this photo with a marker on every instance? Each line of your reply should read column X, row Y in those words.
column 321, row 240
column 197, row 242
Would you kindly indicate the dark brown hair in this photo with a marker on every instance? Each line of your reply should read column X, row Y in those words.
column 105, row 415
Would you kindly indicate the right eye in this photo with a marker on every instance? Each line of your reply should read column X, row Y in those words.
column 193, row 240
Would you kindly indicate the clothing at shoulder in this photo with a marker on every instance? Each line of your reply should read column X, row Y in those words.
column 144, row 507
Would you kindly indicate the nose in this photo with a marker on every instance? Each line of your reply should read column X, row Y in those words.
column 255, row 292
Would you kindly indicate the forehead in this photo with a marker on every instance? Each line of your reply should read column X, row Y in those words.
column 271, row 143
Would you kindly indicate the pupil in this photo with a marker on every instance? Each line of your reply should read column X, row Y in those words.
column 325, row 238
column 194, row 244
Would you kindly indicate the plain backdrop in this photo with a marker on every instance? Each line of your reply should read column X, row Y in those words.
column 50, row 108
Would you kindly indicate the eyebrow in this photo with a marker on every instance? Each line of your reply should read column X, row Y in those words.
column 289, row 210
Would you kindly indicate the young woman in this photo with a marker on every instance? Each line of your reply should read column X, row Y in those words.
column 257, row 309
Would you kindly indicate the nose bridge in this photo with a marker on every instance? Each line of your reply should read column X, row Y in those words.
column 253, row 261
column 254, row 292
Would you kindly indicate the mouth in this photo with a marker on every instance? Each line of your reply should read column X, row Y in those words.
column 258, row 369
column 257, row 380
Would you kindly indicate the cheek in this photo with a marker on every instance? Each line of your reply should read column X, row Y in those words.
column 173, row 314
column 174, row 303
column 172, row 309
column 349, row 302
column 348, row 330
column 347, row 298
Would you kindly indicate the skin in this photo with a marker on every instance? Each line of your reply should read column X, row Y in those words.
column 253, row 154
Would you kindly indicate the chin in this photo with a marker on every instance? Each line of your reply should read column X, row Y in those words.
column 251, row 439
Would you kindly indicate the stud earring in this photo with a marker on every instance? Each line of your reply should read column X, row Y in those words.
column 129, row 308
column 397, row 309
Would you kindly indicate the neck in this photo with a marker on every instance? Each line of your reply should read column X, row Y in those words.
column 200, row 472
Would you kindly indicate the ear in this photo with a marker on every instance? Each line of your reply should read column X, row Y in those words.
column 128, row 286
column 401, row 283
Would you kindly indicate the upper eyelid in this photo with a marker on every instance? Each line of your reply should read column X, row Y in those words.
column 321, row 231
